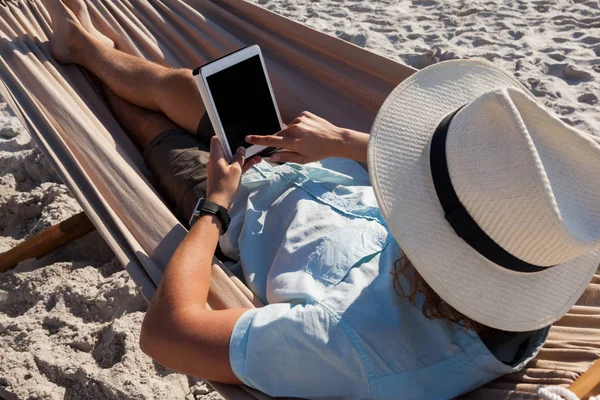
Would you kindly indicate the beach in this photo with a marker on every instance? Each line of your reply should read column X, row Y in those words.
column 70, row 322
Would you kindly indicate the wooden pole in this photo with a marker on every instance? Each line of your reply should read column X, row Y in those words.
column 588, row 384
column 47, row 241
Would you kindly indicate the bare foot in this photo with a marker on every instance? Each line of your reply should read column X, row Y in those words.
column 67, row 31
column 80, row 10
column 69, row 34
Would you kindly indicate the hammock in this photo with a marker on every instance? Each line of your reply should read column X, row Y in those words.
column 66, row 116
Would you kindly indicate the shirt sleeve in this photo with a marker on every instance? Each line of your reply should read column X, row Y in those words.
column 296, row 351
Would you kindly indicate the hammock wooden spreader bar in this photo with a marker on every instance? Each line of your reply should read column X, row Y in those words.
column 47, row 241
column 588, row 384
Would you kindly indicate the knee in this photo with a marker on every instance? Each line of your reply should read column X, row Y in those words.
column 154, row 123
column 179, row 79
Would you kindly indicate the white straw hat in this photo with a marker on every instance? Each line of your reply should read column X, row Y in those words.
column 521, row 188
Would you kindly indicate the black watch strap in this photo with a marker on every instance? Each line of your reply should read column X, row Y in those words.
column 205, row 206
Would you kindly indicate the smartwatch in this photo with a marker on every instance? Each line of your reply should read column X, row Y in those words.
column 204, row 206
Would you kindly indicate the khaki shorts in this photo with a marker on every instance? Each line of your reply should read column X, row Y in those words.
column 178, row 162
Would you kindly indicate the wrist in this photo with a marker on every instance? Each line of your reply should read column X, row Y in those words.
column 213, row 219
column 206, row 207
column 338, row 142
column 353, row 145
column 220, row 199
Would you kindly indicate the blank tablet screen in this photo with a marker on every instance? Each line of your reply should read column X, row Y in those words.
column 243, row 101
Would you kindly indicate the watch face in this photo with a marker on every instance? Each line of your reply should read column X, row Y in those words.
column 199, row 204
column 195, row 213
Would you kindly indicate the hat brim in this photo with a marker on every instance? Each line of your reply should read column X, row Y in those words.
column 398, row 160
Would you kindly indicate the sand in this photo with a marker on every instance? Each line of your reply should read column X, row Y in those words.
column 69, row 323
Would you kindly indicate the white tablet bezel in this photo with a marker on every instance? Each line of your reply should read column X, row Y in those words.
column 200, row 75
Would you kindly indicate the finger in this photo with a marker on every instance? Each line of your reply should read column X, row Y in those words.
column 251, row 162
column 289, row 156
column 303, row 116
column 239, row 157
column 306, row 115
column 269, row 141
column 216, row 151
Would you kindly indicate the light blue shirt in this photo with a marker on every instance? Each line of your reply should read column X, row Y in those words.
column 315, row 248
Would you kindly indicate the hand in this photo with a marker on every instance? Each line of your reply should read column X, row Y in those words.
column 309, row 138
column 223, row 179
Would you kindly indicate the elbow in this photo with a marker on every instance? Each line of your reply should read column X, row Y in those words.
column 155, row 331
column 161, row 340
column 155, row 337
column 161, row 337
column 148, row 338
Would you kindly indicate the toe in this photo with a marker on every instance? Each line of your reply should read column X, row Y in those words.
column 65, row 29
column 80, row 10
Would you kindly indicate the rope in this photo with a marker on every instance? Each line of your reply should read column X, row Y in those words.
column 558, row 393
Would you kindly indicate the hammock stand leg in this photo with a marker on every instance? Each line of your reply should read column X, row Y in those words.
column 47, row 241
column 588, row 384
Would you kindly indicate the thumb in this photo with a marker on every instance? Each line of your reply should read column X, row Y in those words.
column 216, row 151
column 239, row 157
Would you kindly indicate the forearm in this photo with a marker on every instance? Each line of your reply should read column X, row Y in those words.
column 186, row 280
column 178, row 331
column 353, row 145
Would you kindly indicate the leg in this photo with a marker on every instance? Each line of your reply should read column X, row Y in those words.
column 176, row 159
column 141, row 124
column 141, row 82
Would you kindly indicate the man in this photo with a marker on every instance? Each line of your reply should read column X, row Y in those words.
column 494, row 201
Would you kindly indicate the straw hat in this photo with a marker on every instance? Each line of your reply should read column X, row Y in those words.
column 499, row 210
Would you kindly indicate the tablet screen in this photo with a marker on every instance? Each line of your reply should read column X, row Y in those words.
column 243, row 101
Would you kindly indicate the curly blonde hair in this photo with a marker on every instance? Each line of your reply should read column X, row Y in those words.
column 434, row 307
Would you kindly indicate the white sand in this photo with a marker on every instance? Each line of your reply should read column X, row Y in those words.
column 69, row 323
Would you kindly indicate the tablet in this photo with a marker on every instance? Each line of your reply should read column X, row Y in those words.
column 239, row 99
